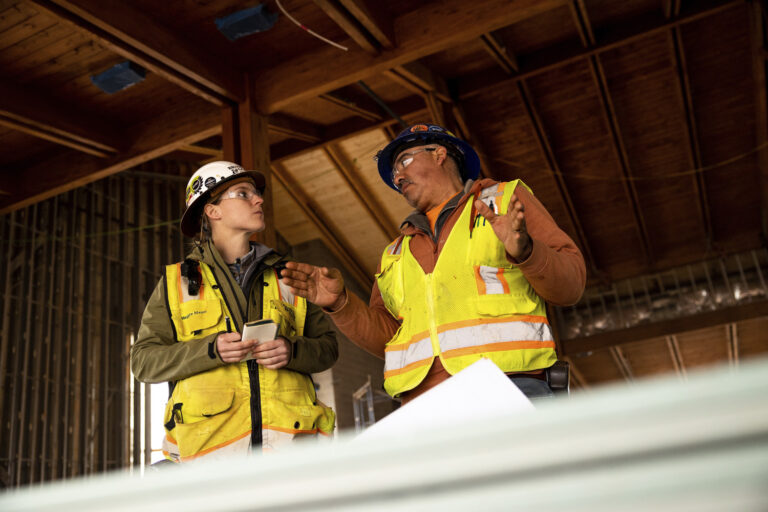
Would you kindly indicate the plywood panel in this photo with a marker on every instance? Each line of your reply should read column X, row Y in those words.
column 704, row 347
column 752, row 338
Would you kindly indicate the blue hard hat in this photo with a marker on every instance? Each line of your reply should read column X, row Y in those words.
column 421, row 134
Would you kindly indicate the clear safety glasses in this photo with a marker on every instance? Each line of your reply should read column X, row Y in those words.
column 246, row 194
column 405, row 159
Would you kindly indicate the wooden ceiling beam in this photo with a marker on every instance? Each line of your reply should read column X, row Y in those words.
column 372, row 15
column 361, row 191
column 349, row 25
column 553, row 58
column 66, row 171
column 677, row 359
column 295, row 128
column 200, row 150
column 671, row 327
column 499, row 52
column 581, row 21
column 430, row 28
column 759, row 55
column 323, row 224
column 32, row 112
column 542, row 140
column 359, row 107
column 622, row 363
column 407, row 108
column 688, row 121
column 132, row 34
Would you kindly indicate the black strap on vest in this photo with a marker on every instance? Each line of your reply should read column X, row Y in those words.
column 172, row 422
column 191, row 270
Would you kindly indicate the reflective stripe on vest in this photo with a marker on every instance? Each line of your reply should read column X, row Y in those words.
column 209, row 413
column 474, row 304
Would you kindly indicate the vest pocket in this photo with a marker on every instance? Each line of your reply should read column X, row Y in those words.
column 199, row 316
column 391, row 279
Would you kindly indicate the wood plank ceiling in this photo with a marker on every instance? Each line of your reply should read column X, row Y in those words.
column 641, row 125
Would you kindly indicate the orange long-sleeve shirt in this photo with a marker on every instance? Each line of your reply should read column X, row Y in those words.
column 555, row 269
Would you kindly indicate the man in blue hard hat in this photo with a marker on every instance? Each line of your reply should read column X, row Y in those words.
column 468, row 277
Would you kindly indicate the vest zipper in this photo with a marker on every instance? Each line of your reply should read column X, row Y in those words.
column 257, row 437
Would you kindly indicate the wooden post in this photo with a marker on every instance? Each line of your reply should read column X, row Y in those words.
column 245, row 141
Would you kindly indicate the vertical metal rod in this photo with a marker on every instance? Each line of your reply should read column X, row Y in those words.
column 136, row 295
column 618, row 305
column 724, row 272
column 103, row 385
column 5, row 342
column 741, row 273
column 68, row 363
column 709, row 283
column 51, row 308
column 632, row 298
column 27, row 341
column 759, row 272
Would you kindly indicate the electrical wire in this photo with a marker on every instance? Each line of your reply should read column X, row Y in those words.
column 300, row 25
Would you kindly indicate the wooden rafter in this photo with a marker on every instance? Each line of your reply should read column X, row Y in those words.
column 499, row 52
column 622, row 363
column 609, row 114
column 537, row 64
column 689, row 123
column 361, row 191
column 302, row 78
column 663, row 328
column 542, row 140
column 349, row 25
column 35, row 114
column 409, row 108
column 677, row 359
column 324, row 225
column 576, row 376
column 372, row 15
column 461, row 121
column 66, row 171
column 581, row 20
column 295, row 128
column 366, row 111
column 132, row 34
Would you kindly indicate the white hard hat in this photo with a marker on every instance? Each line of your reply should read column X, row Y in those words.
column 207, row 179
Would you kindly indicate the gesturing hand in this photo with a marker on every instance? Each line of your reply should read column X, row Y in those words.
column 510, row 228
column 322, row 286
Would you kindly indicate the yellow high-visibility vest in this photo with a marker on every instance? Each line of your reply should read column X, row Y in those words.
column 474, row 303
column 210, row 412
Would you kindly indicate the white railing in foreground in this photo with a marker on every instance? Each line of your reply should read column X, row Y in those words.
column 659, row 445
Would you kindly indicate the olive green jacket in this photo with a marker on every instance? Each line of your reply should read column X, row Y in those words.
column 156, row 356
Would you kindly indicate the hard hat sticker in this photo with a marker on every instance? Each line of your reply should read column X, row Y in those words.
column 419, row 128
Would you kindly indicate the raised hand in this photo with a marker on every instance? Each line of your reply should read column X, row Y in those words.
column 510, row 228
column 322, row 286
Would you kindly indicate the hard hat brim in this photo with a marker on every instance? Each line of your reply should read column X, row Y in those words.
column 190, row 221
column 386, row 155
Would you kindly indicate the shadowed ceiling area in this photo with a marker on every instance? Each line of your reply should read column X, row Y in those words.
column 641, row 125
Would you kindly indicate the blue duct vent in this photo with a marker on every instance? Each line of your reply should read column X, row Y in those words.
column 119, row 77
column 246, row 22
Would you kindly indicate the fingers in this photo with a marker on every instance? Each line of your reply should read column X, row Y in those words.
column 231, row 349
column 304, row 268
column 483, row 210
column 272, row 354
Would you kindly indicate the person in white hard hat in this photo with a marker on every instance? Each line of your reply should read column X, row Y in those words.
column 230, row 394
